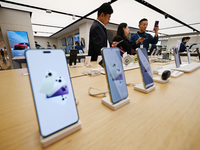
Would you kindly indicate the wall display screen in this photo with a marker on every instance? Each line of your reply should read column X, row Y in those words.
column 19, row 42
column 64, row 42
column 70, row 40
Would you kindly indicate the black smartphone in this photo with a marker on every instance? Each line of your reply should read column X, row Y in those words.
column 156, row 24
column 73, row 56
column 145, row 68
column 114, row 74
column 52, row 90
column 143, row 36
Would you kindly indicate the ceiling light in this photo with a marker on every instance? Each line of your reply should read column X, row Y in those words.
column 166, row 16
column 73, row 17
column 48, row 11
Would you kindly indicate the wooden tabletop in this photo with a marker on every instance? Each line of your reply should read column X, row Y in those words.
column 166, row 118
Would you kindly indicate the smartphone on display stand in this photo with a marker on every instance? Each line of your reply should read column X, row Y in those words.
column 114, row 74
column 145, row 68
column 177, row 57
column 52, row 90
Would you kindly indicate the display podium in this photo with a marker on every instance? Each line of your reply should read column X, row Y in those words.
column 188, row 67
column 140, row 88
column 159, row 80
column 107, row 102
column 59, row 135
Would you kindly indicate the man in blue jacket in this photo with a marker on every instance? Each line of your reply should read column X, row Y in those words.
column 98, row 35
column 141, row 39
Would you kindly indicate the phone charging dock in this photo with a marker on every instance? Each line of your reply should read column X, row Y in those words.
column 107, row 102
column 159, row 80
column 60, row 134
column 140, row 88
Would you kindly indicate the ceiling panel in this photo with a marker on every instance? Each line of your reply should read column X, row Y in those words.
column 45, row 29
column 197, row 26
column 134, row 12
column 179, row 30
column 128, row 11
column 185, row 10
column 77, row 7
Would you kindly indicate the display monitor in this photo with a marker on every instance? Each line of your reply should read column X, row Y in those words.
column 70, row 40
column 19, row 42
column 64, row 42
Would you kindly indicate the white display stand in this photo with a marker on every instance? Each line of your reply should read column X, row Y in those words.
column 107, row 102
column 140, row 87
column 188, row 67
column 59, row 135
column 159, row 80
column 174, row 73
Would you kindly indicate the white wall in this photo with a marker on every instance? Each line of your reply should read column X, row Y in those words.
column 17, row 21
column 84, row 31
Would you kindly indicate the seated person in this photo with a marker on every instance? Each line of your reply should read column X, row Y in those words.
column 183, row 44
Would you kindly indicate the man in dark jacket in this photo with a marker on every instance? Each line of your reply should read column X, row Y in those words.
column 98, row 35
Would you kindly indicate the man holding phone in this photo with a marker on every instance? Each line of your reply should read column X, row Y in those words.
column 141, row 39
column 98, row 35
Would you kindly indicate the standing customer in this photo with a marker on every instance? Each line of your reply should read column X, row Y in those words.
column 121, row 40
column 98, row 36
column 141, row 38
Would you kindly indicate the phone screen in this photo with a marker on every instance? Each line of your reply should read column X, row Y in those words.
column 145, row 67
column 115, row 74
column 52, row 90
column 176, row 56
column 156, row 24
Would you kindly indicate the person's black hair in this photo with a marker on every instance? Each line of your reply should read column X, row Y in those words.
column 120, row 31
column 77, row 43
column 144, row 19
column 48, row 42
column 35, row 41
column 183, row 39
column 105, row 8
column 187, row 38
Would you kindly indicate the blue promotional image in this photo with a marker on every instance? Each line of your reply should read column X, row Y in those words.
column 19, row 42
column 145, row 67
column 115, row 74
